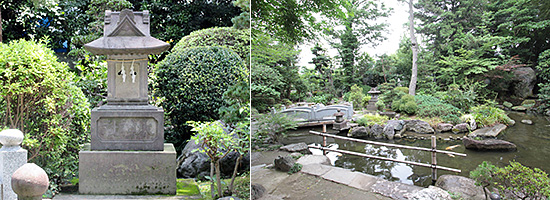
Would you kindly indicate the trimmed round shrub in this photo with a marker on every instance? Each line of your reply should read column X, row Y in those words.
column 228, row 37
column 406, row 104
column 39, row 98
column 192, row 82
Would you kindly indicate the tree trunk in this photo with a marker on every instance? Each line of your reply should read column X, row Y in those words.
column 212, row 180
column 235, row 173
column 219, row 179
column 414, row 47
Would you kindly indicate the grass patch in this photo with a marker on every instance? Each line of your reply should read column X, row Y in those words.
column 242, row 187
column 187, row 187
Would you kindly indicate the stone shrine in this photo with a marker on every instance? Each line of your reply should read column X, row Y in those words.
column 127, row 154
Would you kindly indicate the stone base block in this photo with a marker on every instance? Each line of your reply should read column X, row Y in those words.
column 127, row 172
column 10, row 160
column 127, row 127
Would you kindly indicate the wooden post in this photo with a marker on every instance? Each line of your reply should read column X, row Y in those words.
column 324, row 139
column 434, row 160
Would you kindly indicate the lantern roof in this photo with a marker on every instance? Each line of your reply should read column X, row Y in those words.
column 126, row 32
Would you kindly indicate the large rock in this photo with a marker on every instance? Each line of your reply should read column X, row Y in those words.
column 377, row 131
column 526, row 121
column 526, row 78
column 418, row 126
column 443, row 127
column 197, row 165
column 257, row 191
column 389, row 132
column 298, row 147
column 359, row 132
column 397, row 125
column 284, row 163
column 460, row 185
column 488, row 145
column 461, row 128
column 430, row 193
column 492, row 131
column 519, row 108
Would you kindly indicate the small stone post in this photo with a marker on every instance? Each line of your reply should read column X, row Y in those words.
column 30, row 182
column 12, row 156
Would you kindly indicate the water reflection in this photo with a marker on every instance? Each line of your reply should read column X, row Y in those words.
column 533, row 143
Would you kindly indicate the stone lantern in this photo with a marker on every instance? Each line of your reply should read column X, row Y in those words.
column 127, row 153
column 374, row 93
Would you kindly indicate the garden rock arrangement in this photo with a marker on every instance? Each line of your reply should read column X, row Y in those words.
column 284, row 163
column 488, row 144
column 193, row 164
column 460, row 185
column 492, row 131
column 298, row 147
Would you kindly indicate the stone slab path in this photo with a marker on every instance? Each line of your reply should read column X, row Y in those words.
column 320, row 181
column 120, row 197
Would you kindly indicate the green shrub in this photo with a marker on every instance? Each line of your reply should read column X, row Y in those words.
column 544, row 68
column 402, row 89
column 237, row 103
column 295, row 168
column 514, row 181
column 39, row 98
column 322, row 98
column 356, row 96
column 392, row 95
column 192, row 82
column 370, row 119
column 462, row 96
column 406, row 104
column 380, row 105
column 488, row 115
column 228, row 37
column 429, row 106
column 271, row 127
column 92, row 79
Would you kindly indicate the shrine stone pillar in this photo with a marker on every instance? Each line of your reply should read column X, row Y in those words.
column 127, row 154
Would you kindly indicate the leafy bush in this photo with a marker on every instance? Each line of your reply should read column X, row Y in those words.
column 514, row 181
column 462, row 96
column 406, row 104
column 228, row 37
column 544, row 68
column 488, row 115
column 272, row 126
column 92, row 80
column 392, row 95
column 323, row 98
column 356, row 96
column 295, row 168
column 192, row 82
column 237, row 100
column 380, row 105
column 39, row 98
column 429, row 106
column 370, row 119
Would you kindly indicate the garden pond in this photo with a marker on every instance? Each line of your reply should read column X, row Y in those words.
column 533, row 142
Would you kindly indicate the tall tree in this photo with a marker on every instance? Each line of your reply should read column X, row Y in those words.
column 323, row 66
column 357, row 17
column 414, row 48
column 289, row 21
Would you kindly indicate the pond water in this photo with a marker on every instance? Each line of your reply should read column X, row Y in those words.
column 533, row 142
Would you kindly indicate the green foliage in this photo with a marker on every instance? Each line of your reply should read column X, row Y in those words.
column 462, row 96
column 488, row 115
column 406, row 104
column 356, row 96
column 321, row 98
column 380, row 105
column 174, row 19
column 272, row 126
column 544, row 68
column 228, row 37
column 215, row 143
column 295, row 168
column 192, row 82
column 370, row 119
column 243, row 20
column 392, row 95
column 93, row 81
column 237, row 100
column 429, row 106
column 39, row 98
column 514, row 181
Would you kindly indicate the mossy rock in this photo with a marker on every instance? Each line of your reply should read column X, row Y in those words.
column 519, row 108
column 507, row 104
column 529, row 103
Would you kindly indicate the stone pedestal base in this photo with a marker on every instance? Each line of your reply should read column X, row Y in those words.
column 127, row 127
column 10, row 160
column 127, row 172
